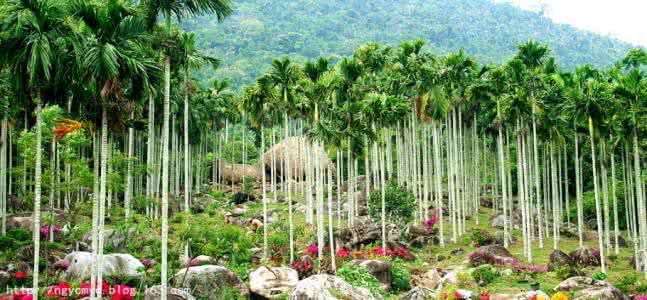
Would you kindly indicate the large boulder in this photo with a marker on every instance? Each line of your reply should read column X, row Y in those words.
column 272, row 282
column 587, row 288
column 429, row 280
column 80, row 265
column 497, row 220
column 364, row 233
column 207, row 281
column 419, row 293
column 234, row 173
column 493, row 255
column 155, row 293
column 378, row 268
column 559, row 259
column 4, row 279
column 328, row 287
column 586, row 257
column 17, row 222
column 296, row 148
column 113, row 238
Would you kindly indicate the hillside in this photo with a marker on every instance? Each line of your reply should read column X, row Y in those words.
column 261, row 30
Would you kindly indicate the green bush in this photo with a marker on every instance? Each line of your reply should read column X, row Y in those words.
column 599, row 276
column 399, row 204
column 480, row 237
column 484, row 274
column 359, row 277
column 400, row 277
column 19, row 235
column 627, row 283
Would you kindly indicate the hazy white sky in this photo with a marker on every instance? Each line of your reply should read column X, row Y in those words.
column 623, row 19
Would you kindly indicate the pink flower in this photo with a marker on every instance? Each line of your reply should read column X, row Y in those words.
column 640, row 297
column 313, row 249
column 342, row 252
column 379, row 251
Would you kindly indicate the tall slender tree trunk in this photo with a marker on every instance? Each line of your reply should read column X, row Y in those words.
column 37, row 196
column 165, row 169
column 506, row 229
column 3, row 174
column 129, row 171
column 642, row 214
column 578, row 191
column 265, row 220
column 331, row 238
column 102, row 198
column 598, row 212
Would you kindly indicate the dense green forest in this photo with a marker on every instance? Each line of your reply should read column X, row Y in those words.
column 260, row 30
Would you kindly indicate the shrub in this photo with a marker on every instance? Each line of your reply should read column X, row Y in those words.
column 400, row 277
column 627, row 282
column 480, row 237
column 485, row 274
column 599, row 276
column 19, row 235
column 359, row 277
column 399, row 204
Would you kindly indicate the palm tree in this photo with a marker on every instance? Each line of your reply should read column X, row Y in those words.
column 112, row 55
column 631, row 89
column 257, row 101
column 586, row 99
column 30, row 53
column 178, row 9
column 284, row 75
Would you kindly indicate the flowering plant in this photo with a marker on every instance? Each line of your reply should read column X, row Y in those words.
column 62, row 289
column 122, row 292
column 313, row 249
column 485, row 295
column 343, row 253
column 20, row 275
column 564, row 296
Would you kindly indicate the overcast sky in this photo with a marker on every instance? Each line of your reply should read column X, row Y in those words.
column 623, row 19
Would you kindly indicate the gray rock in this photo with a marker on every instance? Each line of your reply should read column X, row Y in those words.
column 585, row 257
column 207, row 281
column 328, row 287
column 80, row 265
column 111, row 237
column 429, row 280
column 588, row 288
column 4, row 279
column 378, row 268
column 559, row 259
column 419, row 293
column 272, row 282
column 155, row 293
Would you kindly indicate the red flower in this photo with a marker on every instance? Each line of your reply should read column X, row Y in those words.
column 122, row 292
column 458, row 295
column 22, row 295
column 20, row 275
column 85, row 289
column 342, row 252
column 379, row 250
column 485, row 295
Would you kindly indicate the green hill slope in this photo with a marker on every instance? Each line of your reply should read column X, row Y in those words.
column 261, row 30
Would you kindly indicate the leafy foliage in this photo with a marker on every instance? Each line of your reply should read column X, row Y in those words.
column 399, row 204
column 358, row 276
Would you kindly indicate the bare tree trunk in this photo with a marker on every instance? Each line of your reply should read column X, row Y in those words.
column 598, row 212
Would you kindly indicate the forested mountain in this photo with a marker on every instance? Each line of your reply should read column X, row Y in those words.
column 261, row 30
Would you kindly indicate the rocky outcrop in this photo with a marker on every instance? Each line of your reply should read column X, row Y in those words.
column 328, row 287
column 428, row 280
column 588, row 288
column 272, row 282
column 559, row 259
column 296, row 151
column 207, row 281
column 379, row 269
column 234, row 173
column 155, row 293
column 364, row 233
column 113, row 238
column 80, row 265
column 419, row 293
column 586, row 257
